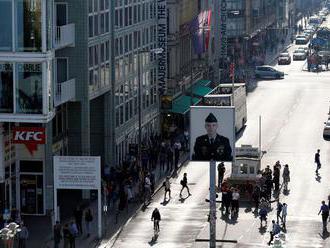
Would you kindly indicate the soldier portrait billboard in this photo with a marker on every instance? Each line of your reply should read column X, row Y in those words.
column 212, row 132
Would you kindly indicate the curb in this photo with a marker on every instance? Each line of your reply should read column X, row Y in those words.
column 115, row 237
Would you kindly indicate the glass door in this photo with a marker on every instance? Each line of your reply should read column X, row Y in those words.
column 32, row 194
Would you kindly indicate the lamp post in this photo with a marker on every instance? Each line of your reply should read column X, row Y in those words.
column 152, row 51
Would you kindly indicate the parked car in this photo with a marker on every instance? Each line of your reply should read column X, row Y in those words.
column 305, row 48
column 284, row 59
column 266, row 71
column 326, row 129
column 299, row 54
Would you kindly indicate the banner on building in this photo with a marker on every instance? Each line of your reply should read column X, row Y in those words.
column 212, row 132
column 31, row 137
column 77, row 172
column 162, row 43
column 200, row 30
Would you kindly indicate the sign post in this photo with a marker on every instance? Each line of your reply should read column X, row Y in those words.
column 213, row 207
column 78, row 172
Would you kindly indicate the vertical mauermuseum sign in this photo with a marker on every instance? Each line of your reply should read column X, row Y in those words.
column 162, row 43
column 223, row 29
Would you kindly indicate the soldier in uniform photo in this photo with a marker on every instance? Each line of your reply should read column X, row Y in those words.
column 212, row 145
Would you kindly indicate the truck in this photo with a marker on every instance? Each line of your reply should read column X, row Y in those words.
column 222, row 96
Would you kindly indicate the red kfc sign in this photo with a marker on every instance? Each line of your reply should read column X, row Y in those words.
column 29, row 136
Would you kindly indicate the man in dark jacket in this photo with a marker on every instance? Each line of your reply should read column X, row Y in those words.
column 212, row 145
column 78, row 215
column 57, row 234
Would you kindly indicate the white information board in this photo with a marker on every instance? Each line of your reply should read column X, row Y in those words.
column 77, row 172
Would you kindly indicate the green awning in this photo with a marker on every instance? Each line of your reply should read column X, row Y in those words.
column 203, row 82
column 182, row 104
column 199, row 90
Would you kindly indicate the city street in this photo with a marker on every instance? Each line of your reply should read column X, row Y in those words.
column 293, row 111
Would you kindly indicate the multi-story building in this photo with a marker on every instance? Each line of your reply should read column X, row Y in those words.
column 65, row 91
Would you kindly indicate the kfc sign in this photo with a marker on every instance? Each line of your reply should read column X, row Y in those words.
column 30, row 137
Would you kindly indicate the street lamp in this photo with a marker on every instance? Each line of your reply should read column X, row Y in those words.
column 152, row 51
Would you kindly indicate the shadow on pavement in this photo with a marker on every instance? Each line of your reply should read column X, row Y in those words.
column 263, row 229
column 318, row 178
column 324, row 235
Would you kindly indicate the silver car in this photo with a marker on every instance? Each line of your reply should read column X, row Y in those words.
column 299, row 54
column 266, row 71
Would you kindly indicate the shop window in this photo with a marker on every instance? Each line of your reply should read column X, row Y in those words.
column 28, row 31
column 29, row 88
column 6, row 25
column 6, row 87
column 30, row 166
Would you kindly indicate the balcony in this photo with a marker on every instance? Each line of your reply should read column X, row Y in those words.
column 65, row 36
column 64, row 92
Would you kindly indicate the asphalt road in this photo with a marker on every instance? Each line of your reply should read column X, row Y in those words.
column 293, row 110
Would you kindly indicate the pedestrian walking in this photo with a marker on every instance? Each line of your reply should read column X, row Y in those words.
column 88, row 221
column 78, row 215
column 286, row 177
column 167, row 187
column 324, row 211
column 177, row 149
column 162, row 155
column 66, row 236
column 169, row 154
column 275, row 229
column 276, row 177
column 73, row 234
column 221, row 172
column 279, row 209
column 317, row 161
column 23, row 235
column 263, row 215
column 184, row 184
column 256, row 197
column 284, row 213
column 147, row 188
column 226, row 199
column 57, row 231
column 235, row 201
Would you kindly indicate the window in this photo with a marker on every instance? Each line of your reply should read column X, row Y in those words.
column 29, row 88
column 6, row 87
column 28, row 25
column 6, row 25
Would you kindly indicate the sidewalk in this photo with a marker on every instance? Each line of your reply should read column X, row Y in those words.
column 41, row 231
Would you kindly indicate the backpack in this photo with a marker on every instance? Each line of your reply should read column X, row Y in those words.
column 181, row 182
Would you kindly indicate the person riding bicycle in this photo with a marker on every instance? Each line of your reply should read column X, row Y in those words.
column 156, row 218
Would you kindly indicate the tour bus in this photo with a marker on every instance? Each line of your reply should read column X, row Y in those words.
column 222, row 96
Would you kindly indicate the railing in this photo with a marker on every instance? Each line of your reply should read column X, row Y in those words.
column 65, row 91
column 65, row 36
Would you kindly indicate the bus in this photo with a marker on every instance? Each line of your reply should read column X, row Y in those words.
column 222, row 96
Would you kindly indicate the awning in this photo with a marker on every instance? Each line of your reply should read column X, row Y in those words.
column 182, row 104
column 200, row 91
column 203, row 82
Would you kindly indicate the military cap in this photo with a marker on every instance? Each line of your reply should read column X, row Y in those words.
column 211, row 118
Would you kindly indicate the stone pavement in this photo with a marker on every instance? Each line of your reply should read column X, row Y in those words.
column 40, row 228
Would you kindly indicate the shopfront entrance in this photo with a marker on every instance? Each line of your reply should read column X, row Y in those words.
column 31, row 187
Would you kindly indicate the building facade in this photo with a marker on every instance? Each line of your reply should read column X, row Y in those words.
column 69, row 75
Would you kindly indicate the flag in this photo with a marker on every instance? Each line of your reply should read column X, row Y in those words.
column 200, row 30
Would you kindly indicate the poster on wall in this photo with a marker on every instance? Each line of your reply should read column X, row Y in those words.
column 212, row 130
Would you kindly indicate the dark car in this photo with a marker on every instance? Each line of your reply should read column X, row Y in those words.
column 284, row 59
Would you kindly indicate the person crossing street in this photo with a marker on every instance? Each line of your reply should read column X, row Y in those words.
column 317, row 161
column 184, row 184
column 324, row 211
